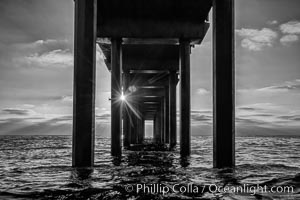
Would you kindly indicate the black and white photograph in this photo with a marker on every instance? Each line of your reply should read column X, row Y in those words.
column 149, row 99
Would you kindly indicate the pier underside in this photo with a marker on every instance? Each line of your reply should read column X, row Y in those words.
column 147, row 47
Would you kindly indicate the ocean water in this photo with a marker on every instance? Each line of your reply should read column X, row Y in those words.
column 39, row 167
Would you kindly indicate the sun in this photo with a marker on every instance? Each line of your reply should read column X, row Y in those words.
column 122, row 97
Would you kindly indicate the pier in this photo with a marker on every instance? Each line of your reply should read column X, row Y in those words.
column 147, row 46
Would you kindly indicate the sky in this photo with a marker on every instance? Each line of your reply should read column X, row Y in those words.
column 36, row 70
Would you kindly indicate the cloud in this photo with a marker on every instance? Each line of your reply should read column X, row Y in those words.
column 255, row 122
column 42, row 46
column 269, row 120
column 202, row 91
column 273, row 22
column 290, row 117
column 48, row 41
column 28, row 105
column 66, row 119
column 16, row 111
column 291, row 27
column 23, row 126
column 105, row 116
column 264, row 119
column 43, row 53
column 58, row 58
column 59, row 125
column 282, row 88
column 201, row 117
column 249, row 121
column 67, row 98
column 247, row 108
column 256, row 107
column 265, row 116
column 256, row 40
column 288, row 39
column 287, row 86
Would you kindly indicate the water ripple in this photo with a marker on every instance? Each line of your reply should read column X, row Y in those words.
column 38, row 167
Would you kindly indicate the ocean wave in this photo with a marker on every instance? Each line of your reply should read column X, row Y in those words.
column 40, row 168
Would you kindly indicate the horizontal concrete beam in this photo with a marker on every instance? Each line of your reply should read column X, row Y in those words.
column 150, row 80
column 149, row 71
column 153, row 19
column 127, row 28
column 145, row 57
column 150, row 106
column 147, row 91
column 151, row 103
column 150, row 98
column 173, row 41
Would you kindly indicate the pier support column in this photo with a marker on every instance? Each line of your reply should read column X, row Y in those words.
column 167, row 117
column 133, row 128
column 143, row 130
column 126, row 121
column 158, row 125
column 84, row 83
column 185, row 105
column 116, row 91
column 172, row 107
column 223, row 84
column 139, row 127
column 162, row 123
column 138, row 138
column 155, row 128
column 130, row 126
